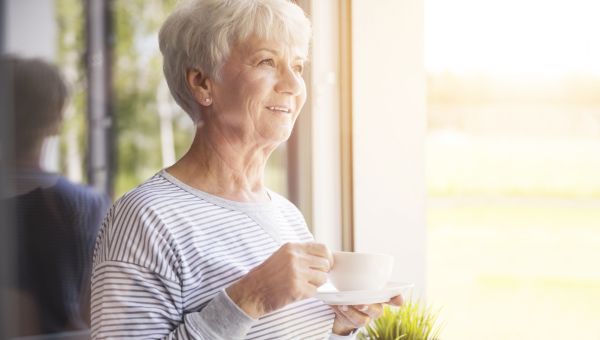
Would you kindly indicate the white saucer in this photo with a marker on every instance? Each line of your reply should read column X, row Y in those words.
column 328, row 294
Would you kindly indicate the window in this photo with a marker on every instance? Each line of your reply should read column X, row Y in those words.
column 513, row 154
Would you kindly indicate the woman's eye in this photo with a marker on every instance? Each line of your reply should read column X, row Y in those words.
column 298, row 69
column 267, row 62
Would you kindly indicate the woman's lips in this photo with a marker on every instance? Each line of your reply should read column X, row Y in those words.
column 279, row 108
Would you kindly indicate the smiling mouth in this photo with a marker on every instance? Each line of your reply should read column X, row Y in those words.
column 282, row 109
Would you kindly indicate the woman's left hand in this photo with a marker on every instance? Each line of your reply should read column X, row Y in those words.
column 348, row 318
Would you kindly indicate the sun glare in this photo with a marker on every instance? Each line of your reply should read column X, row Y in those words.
column 513, row 157
column 518, row 37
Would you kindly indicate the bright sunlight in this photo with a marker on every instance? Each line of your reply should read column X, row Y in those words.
column 513, row 172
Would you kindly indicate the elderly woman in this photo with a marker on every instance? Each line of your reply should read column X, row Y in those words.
column 202, row 249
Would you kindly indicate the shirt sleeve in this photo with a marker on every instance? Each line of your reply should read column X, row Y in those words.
column 136, row 287
column 129, row 301
column 222, row 319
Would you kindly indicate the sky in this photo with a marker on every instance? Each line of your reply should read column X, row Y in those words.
column 513, row 37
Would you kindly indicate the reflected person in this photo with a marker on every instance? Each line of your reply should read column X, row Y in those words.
column 56, row 220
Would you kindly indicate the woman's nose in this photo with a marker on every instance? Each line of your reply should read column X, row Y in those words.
column 290, row 82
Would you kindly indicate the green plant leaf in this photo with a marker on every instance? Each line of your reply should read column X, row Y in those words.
column 409, row 322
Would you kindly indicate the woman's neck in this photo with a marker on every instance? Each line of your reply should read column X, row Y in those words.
column 224, row 167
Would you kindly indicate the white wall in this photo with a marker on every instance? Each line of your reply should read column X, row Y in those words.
column 325, row 118
column 31, row 28
column 389, row 124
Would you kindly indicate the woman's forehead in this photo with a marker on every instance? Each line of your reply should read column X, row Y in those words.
column 254, row 45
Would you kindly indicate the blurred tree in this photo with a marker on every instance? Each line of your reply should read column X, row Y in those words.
column 140, row 92
column 71, row 47
column 139, row 83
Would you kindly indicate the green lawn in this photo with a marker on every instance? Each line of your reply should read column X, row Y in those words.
column 515, row 269
column 462, row 165
column 514, row 237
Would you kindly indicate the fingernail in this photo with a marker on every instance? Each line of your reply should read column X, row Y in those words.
column 344, row 308
column 364, row 308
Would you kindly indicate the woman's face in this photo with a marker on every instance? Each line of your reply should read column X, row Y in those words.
column 261, row 92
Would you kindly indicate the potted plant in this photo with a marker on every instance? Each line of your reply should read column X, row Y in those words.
column 412, row 321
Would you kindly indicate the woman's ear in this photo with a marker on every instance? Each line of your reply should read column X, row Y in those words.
column 200, row 85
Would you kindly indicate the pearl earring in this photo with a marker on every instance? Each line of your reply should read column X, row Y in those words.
column 207, row 100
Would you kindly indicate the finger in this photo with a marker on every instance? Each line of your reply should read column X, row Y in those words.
column 344, row 313
column 396, row 301
column 317, row 278
column 343, row 318
column 362, row 308
column 356, row 317
column 337, row 308
column 318, row 263
column 373, row 310
column 317, row 249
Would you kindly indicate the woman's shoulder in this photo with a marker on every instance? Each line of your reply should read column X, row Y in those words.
column 286, row 207
column 281, row 201
column 143, row 210
column 138, row 216
column 156, row 193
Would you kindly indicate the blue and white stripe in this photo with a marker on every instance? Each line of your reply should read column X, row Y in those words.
column 166, row 252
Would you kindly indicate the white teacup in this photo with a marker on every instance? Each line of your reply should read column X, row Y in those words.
column 360, row 271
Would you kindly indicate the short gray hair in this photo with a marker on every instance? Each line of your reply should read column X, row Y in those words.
column 200, row 33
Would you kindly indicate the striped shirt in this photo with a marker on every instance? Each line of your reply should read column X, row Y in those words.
column 166, row 252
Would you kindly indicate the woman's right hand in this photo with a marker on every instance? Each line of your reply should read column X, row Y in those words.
column 292, row 273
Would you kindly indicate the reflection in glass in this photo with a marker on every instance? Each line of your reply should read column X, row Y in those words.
column 56, row 220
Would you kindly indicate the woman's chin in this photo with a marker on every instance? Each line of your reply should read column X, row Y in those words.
column 281, row 136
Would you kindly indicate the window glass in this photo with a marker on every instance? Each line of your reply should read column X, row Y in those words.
column 513, row 153
column 50, row 217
